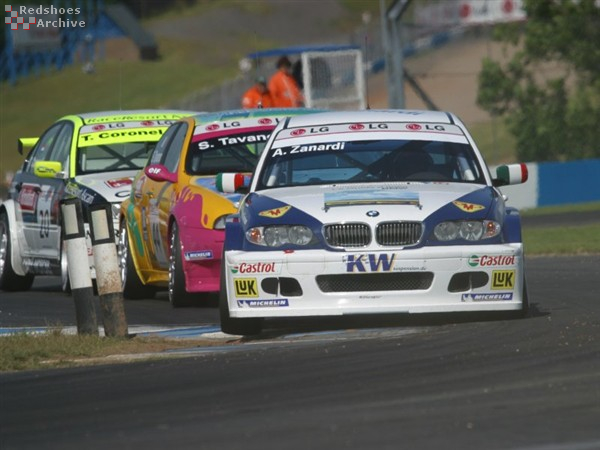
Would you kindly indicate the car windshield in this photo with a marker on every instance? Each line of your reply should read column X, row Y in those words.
column 229, row 153
column 112, row 157
column 369, row 161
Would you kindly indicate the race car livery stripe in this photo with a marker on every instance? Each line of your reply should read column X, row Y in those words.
column 362, row 128
column 116, row 126
column 138, row 117
column 201, row 134
column 120, row 136
column 251, row 122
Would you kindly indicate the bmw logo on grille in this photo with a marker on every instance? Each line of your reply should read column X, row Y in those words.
column 372, row 213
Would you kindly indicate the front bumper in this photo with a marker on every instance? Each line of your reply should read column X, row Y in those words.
column 426, row 280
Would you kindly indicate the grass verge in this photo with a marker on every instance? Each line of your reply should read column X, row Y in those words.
column 566, row 240
column 57, row 350
column 562, row 240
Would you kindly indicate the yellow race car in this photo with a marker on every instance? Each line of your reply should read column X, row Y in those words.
column 93, row 157
column 172, row 224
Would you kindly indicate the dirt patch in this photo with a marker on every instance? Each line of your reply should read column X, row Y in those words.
column 449, row 76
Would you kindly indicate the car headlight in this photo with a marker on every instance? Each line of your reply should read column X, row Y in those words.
column 279, row 235
column 469, row 230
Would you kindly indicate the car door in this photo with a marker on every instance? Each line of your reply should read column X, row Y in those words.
column 38, row 199
column 144, row 190
column 159, row 206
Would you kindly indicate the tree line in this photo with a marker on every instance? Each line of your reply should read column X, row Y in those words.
column 554, row 115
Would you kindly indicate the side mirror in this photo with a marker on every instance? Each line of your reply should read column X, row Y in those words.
column 25, row 144
column 511, row 174
column 48, row 169
column 233, row 183
column 158, row 172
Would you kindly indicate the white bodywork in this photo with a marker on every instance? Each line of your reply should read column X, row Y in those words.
column 501, row 263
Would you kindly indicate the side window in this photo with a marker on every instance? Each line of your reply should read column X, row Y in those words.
column 62, row 146
column 162, row 144
column 41, row 151
column 174, row 151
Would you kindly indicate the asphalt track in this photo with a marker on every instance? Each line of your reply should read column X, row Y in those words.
column 394, row 382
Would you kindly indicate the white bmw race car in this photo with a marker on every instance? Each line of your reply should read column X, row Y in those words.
column 370, row 212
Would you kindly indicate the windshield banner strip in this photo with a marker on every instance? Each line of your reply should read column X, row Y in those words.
column 115, row 126
column 381, row 128
column 202, row 135
column 121, row 136
column 135, row 117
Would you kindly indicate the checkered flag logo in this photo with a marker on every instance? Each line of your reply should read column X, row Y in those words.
column 14, row 20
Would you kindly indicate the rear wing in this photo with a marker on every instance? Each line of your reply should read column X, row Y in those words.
column 26, row 143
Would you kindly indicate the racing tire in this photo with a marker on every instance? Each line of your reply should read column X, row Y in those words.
column 133, row 288
column 229, row 325
column 9, row 279
column 178, row 295
column 525, row 311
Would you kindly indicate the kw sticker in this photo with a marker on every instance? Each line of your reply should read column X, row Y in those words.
column 503, row 279
column 246, row 287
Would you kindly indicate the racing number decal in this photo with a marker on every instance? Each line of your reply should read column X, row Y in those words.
column 44, row 216
column 44, row 221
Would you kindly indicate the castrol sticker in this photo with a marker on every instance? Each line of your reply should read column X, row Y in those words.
column 491, row 260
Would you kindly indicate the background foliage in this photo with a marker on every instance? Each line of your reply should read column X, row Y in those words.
column 553, row 117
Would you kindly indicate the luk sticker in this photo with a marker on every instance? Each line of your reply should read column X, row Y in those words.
column 246, row 287
column 468, row 207
column 503, row 279
column 275, row 212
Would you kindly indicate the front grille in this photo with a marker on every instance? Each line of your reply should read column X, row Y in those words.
column 398, row 233
column 348, row 235
column 404, row 281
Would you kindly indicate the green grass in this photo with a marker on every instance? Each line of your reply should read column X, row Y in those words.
column 55, row 349
column 563, row 209
column 571, row 240
column 28, row 108
column 562, row 240
column 494, row 141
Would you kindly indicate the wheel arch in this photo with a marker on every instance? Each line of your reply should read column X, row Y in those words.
column 132, row 248
column 9, row 208
column 512, row 226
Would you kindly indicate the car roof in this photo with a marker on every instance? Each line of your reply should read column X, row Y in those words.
column 251, row 113
column 372, row 115
column 134, row 114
